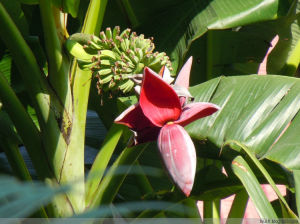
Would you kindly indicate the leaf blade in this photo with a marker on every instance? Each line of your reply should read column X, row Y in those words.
column 255, row 111
column 247, row 177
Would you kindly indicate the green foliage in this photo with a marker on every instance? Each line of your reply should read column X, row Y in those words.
column 247, row 177
column 284, row 59
column 189, row 20
column 67, row 6
column 19, row 200
column 256, row 110
column 297, row 187
column 44, row 96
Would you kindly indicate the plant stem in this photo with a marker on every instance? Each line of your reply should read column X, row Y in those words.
column 212, row 211
column 216, row 211
column 292, row 62
column 35, row 83
column 26, row 129
column 15, row 159
column 61, row 154
column 111, row 183
column 101, row 161
column 207, row 209
column 44, row 100
column 142, row 180
column 74, row 159
column 18, row 165
column 95, row 13
column 58, row 63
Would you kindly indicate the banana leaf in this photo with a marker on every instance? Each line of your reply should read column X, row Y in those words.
column 261, row 112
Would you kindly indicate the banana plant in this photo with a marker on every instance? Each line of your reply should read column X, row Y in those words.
column 59, row 58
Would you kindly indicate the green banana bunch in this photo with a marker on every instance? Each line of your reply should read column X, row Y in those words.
column 116, row 59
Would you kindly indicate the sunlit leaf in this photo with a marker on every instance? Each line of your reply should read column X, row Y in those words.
column 259, row 111
column 284, row 59
column 247, row 177
column 191, row 19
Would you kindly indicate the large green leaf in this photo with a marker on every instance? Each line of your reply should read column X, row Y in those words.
column 248, row 45
column 230, row 52
column 247, row 177
column 261, row 112
column 176, row 24
column 286, row 210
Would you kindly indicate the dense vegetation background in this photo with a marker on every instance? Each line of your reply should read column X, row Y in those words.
column 45, row 96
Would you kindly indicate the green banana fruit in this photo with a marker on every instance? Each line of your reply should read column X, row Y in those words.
column 116, row 57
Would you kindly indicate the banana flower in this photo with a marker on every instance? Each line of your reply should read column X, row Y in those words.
column 161, row 114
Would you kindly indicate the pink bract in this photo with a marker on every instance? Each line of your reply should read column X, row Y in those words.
column 162, row 113
column 158, row 100
column 178, row 153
